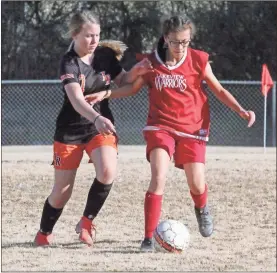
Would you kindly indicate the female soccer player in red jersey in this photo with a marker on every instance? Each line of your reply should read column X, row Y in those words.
column 178, row 120
column 85, row 68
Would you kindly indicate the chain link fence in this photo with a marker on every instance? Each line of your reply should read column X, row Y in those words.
column 30, row 109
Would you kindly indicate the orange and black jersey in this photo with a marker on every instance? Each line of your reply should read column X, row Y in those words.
column 71, row 127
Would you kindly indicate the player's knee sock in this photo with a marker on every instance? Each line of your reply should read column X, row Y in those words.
column 49, row 218
column 97, row 196
column 152, row 212
column 200, row 200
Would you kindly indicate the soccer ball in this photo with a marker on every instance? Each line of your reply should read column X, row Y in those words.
column 171, row 236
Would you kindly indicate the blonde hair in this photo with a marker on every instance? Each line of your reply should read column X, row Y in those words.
column 78, row 20
column 117, row 46
column 177, row 23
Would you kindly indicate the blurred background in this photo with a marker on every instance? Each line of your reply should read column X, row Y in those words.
column 239, row 36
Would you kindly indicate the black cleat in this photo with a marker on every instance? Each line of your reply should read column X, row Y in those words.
column 147, row 245
column 205, row 221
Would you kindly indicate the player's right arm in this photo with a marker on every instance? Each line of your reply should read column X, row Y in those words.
column 69, row 77
column 120, row 92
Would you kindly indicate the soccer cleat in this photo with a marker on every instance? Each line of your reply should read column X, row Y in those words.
column 43, row 239
column 205, row 221
column 86, row 230
column 147, row 245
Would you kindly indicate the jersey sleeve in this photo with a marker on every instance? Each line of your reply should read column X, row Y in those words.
column 68, row 71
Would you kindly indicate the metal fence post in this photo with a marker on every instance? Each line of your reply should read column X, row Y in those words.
column 274, row 115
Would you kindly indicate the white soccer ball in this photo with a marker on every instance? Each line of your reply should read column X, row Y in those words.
column 171, row 236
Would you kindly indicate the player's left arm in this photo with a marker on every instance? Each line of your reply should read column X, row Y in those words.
column 226, row 97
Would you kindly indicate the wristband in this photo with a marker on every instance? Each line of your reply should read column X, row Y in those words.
column 96, row 118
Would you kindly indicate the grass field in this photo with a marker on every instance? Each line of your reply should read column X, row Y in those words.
column 242, row 196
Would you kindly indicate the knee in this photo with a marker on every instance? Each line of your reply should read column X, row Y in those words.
column 106, row 175
column 59, row 197
column 157, row 183
column 197, row 185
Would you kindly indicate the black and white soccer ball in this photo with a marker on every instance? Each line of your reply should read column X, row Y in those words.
column 171, row 236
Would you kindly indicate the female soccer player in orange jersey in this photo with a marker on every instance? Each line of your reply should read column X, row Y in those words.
column 87, row 67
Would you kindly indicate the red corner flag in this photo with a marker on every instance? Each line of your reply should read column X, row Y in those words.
column 267, row 82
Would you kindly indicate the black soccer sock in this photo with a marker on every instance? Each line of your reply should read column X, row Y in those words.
column 97, row 196
column 49, row 218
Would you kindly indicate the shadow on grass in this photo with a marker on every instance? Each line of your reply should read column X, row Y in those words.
column 78, row 245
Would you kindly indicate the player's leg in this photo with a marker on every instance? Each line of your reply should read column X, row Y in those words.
column 199, row 193
column 66, row 161
column 190, row 155
column 160, row 148
column 103, row 153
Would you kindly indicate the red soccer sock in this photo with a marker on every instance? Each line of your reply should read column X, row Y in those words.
column 200, row 200
column 152, row 212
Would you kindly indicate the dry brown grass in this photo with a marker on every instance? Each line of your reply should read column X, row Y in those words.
column 242, row 195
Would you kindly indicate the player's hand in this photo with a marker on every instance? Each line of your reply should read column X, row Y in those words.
column 96, row 97
column 142, row 67
column 249, row 116
column 104, row 126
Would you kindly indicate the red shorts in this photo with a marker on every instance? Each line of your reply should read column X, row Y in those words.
column 183, row 150
column 69, row 156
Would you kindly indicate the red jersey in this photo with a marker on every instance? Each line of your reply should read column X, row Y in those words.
column 177, row 100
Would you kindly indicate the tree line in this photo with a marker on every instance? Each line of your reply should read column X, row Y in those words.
column 239, row 36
